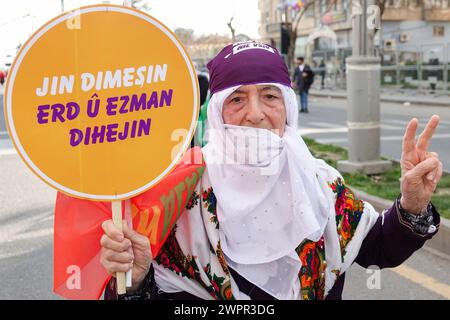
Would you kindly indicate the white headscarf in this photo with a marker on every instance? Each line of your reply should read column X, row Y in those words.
column 265, row 206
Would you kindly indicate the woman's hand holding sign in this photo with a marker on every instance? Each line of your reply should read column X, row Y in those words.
column 116, row 255
column 421, row 170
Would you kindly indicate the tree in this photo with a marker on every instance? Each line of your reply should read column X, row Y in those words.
column 298, row 12
column 297, row 9
column 205, row 46
column 140, row 5
column 186, row 36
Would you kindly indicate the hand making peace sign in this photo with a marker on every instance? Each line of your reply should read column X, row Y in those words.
column 421, row 170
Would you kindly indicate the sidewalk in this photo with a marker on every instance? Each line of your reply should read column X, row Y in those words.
column 439, row 244
column 393, row 95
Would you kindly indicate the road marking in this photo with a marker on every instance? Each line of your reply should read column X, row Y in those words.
column 331, row 140
column 386, row 138
column 389, row 127
column 322, row 124
column 318, row 130
column 6, row 152
column 15, row 253
column 18, row 230
column 443, row 121
column 366, row 125
column 422, row 122
column 6, row 147
column 332, row 128
column 400, row 122
column 32, row 235
column 423, row 280
column 404, row 123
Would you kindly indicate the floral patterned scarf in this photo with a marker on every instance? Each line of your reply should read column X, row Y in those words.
column 192, row 260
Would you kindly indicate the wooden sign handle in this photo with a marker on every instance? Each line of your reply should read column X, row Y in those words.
column 117, row 219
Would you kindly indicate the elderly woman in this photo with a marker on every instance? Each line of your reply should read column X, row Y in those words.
column 268, row 220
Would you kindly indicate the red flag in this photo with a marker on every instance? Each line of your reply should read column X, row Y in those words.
column 78, row 273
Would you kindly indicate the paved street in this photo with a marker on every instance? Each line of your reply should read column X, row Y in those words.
column 424, row 276
column 26, row 252
column 327, row 119
column 26, row 232
column 26, row 218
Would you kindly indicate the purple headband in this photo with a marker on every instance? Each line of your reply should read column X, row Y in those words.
column 247, row 63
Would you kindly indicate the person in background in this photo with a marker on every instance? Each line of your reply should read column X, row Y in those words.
column 2, row 77
column 433, row 74
column 302, row 80
column 203, row 84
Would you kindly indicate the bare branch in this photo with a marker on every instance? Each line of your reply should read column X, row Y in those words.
column 233, row 30
column 381, row 4
column 300, row 13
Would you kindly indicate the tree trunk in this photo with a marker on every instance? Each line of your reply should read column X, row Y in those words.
column 293, row 33
column 291, row 49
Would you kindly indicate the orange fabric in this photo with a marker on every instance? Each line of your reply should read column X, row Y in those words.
column 78, row 273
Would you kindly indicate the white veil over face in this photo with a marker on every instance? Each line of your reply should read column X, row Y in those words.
column 270, row 196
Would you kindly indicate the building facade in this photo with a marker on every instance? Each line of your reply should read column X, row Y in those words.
column 417, row 29
column 336, row 14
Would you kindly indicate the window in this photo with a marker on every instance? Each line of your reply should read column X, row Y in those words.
column 310, row 12
column 398, row 4
column 346, row 5
column 438, row 31
column 413, row 3
column 333, row 5
column 323, row 6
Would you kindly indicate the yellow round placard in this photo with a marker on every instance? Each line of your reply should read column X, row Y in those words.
column 102, row 102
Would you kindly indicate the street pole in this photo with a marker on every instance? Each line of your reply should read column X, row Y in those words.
column 363, row 91
column 62, row 5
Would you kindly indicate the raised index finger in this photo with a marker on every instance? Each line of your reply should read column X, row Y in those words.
column 425, row 137
column 409, row 139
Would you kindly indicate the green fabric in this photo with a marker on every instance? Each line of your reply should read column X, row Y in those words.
column 201, row 127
